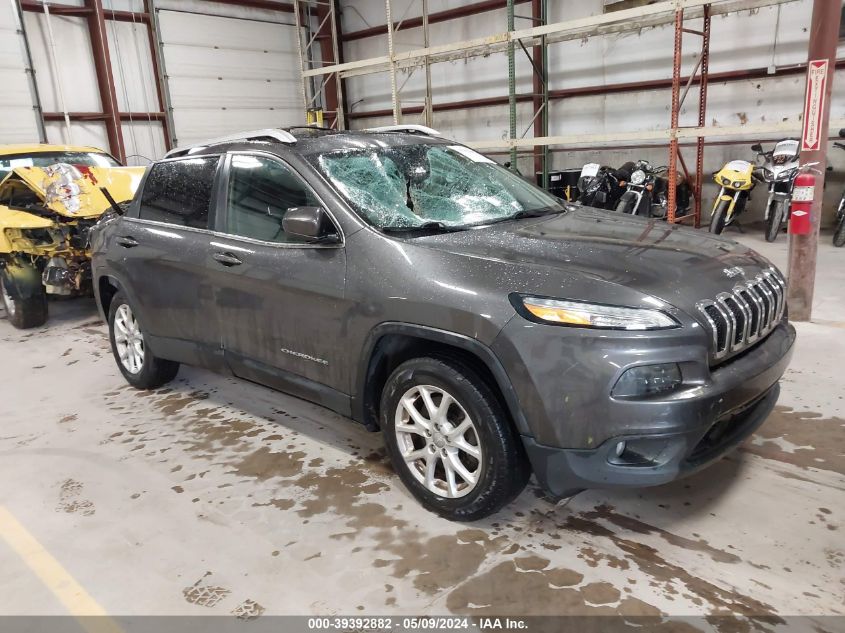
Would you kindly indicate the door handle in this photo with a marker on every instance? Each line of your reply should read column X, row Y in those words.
column 127, row 241
column 227, row 259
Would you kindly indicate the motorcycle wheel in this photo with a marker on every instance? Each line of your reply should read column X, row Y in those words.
column 717, row 219
column 773, row 223
column 839, row 235
column 626, row 203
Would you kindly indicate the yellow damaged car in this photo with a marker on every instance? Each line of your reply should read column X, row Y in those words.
column 50, row 197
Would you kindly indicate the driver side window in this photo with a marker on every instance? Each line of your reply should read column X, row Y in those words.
column 260, row 192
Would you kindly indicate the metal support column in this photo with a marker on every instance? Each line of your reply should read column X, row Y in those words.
column 394, row 92
column 17, row 12
column 673, row 123
column 105, row 78
column 540, row 90
column 428, row 117
column 511, row 86
column 704, row 61
column 162, row 87
column 823, row 36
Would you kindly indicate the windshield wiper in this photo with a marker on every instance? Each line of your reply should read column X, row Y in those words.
column 426, row 227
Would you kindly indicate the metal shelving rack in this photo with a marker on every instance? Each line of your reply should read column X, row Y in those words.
column 322, row 93
column 677, row 12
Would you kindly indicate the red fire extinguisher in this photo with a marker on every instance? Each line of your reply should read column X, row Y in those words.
column 800, row 220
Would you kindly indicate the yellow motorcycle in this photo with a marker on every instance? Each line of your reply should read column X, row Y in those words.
column 736, row 181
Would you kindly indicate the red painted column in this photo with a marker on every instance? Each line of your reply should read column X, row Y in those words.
column 824, row 34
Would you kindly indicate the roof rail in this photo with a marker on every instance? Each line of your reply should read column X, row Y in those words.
column 283, row 136
column 411, row 127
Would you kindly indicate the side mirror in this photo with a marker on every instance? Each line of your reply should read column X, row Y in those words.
column 757, row 147
column 842, row 133
column 311, row 223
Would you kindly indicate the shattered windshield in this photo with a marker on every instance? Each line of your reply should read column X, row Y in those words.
column 45, row 159
column 413, row 186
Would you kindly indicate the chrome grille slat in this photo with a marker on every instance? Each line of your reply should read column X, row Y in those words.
column 738, row 319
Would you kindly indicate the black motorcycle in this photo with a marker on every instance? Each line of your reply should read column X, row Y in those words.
column 600, row 186
column 647, row 192
column 839, row 233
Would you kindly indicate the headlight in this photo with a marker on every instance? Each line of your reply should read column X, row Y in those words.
column 576, row 313
column 647, row 380
column 638, row 177
column 726, row 181
column 737, row 184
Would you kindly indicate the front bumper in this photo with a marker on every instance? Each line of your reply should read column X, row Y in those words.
column 676, row 455
column 577, row 426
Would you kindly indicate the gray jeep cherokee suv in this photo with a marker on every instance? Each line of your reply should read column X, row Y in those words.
column 488, row 329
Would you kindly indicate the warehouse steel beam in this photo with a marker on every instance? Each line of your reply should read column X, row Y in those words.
column 627, row 19
column 440, row 16
column 824, row 36
column 753, row 130
column 603, row 89
column 105, row 79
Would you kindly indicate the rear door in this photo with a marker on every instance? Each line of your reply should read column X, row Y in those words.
column 164, row 254
column 281, row 300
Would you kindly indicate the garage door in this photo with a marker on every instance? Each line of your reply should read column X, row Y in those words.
column 18, row 120
column 229, row 74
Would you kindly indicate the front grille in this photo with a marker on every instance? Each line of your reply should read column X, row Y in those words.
column 740, row 318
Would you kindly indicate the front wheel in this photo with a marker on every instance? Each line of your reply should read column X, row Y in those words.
column 26, row 303
column 773, row 223
column 450, row 440
column 141, row 368
column 839, row 234
column 627, row 203
column 719, row 217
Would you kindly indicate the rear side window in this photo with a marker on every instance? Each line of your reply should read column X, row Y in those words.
column 179, row 192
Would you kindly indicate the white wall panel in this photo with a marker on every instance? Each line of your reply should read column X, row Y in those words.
column 74, row 60
column 18, row 117
column 83, row 133
column 228, row 74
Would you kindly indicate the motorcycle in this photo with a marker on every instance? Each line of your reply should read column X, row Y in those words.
column 778, row 168
column 647, row 191
column 599, row 186
column 839, row 233
column 736, row 180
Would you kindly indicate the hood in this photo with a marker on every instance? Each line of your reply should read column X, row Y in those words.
column 678, row 265
column 74, row 190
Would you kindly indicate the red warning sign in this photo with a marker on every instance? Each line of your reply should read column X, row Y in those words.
column 814, row 105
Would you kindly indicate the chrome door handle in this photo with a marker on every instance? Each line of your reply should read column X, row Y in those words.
column 127, row 241
column 227, row 259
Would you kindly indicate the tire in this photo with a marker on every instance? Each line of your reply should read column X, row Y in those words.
column 717, row 219
column 773, row 223
column 839, row 234
column 141, row 368
column 626, row 203
column 25, row 313
column 494, row 457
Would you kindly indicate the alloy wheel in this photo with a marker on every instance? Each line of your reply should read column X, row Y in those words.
column 8, row 302
column 128, row 339
column 438, row 441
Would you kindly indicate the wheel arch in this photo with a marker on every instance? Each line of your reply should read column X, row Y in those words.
column 392, row 343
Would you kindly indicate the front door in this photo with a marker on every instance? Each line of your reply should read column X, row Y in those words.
column 280, row 298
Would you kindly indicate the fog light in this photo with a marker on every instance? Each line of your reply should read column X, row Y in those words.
column 620, row 448
column 647, row 380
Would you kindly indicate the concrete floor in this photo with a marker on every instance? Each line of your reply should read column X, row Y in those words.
column 214, row 495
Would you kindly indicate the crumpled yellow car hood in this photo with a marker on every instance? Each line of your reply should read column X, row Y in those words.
column 74, row 190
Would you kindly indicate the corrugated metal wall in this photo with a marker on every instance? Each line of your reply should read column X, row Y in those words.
column 227, row 74
column 18, row 117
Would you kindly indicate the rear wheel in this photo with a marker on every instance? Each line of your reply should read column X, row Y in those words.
column 450, row 440
column 26, row 307
column 839, row 234
column 720, row 214
column 773, row 223
column 137, row 363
